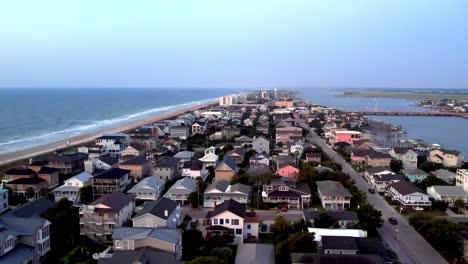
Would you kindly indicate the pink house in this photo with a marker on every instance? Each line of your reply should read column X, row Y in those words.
column 346, row 136
column 288, row 170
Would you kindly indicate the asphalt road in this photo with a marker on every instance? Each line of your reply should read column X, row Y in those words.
column 407, row 243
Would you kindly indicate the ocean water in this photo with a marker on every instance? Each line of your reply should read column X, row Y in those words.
column 450, row 132
column 34, row 117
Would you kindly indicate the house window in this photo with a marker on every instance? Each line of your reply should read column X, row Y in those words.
column 238, row 231
column 221, row 221
column 215, row 221
column 227, row 221
column 248, row 226
column 235, row 221
column 118, row 244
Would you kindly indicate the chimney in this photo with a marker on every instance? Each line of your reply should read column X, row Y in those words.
column 166, row 213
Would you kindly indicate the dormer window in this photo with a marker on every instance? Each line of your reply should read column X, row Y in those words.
column 284, row 188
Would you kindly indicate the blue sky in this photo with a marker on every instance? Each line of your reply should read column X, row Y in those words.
column 248, row 44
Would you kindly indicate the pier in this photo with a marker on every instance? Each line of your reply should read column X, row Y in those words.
column 408, row 113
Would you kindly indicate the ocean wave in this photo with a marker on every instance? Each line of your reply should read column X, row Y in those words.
column 96, row 125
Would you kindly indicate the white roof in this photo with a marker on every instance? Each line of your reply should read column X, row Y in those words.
column 212, row 113
column 319, row 232
column 449, row 190
column 210, row 157
column 348, row 132
column 83, row 177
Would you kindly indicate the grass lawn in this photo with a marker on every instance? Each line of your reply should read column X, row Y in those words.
column 267, row 238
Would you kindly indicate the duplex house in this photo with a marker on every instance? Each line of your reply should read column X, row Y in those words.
column 447, row 193
column 99, row 219
column 148, row 243
column 166, row 168
column 71, row 187
column 162, row 213
column 194, row 169
column 449, row 158
column 138, row 166
column 226, row 170
column 22, row 186
column 287, row 193
column 181, row 190
column 220, row 191
column 24, row 234
column 408, row 195
column 333, row 195
column 198, row 127
column 344, row 219
column 375, row 158
column 149, row 188
column 380, row 182
column 17, row 173
column 407, row 156
column 113, row 180
column 369, row 172
column 231, row 217
column 261, row 145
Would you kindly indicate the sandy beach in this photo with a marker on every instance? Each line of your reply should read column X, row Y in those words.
column 79, row 140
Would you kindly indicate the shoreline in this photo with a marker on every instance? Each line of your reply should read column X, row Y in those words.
column 90, row 136
column 401, row 95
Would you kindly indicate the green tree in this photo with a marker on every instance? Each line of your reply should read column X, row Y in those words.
column 459, row 204
column 396, row 165
column 223, row 253
column 192, row 242
column 429, row 166
column 429, row 181
column 306, row 172
column 207, row 260
column 281, row 225
column 418, row 220
column 30, row 192
column 324, row 220
column 298, row 242
column 370, row 219
column 195, row 199
column 86, row 194
column 440, row 205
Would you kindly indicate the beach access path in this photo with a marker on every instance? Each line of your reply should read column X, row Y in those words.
column 81, row 139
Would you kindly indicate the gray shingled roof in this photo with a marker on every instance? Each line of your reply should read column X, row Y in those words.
column 114, row 173
column 172, row 236
column 231, row 206
column 115, row 200
column 138, row 160
column 333, row 188
column 158, row 207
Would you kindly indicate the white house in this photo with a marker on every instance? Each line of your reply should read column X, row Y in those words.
column 194, row 169
column 221, row 191
column 231, row 217
column 333, row 195
column 447, row 193
column 113, row 143
column 368, row 173
column 134, row 150
column 210, row 158
column 408, row 157
column 162, row 213
column 462, row 179
column 149, row 188
column 198, row 128
column 71, row 187
column 261, row 145
column 181, row 190
column 380, row 182
column 259, row 161
column 103, row 163
column 408, row 195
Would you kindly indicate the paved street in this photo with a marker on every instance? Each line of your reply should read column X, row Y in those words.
column 409, row 245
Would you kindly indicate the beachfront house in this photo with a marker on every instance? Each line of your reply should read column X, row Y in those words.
column 66, row 162
column 113, row 144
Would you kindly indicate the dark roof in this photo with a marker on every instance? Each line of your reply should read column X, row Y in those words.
column 231, row 206
column 34, row 208
column 28, row 181
column 377, row 169
column 38, row 163
column 379, row 155
column 138, row 160
column 401, row 151
column 339, row 242
column 238, row 151
column 448, row 151
column 404, row 187
column 230, row 163
column 388, row 177
column 157, row 208
column 109, row 160
column 114, row 173
column 115, row 137
column 115, row 200
column 20, row 171
column 137, row 146
column 312, row 258
column 67, row 157
column 47, row 170
column 193, row 165
column 168, row 162
column 146, row 255
column 286, row 164
column 360, row 152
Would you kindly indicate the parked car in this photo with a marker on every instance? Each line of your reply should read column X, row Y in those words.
column 283, row 207
column 371, row 190
column 393, row 221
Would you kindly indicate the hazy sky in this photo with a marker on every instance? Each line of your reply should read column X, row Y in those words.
column 249, row 44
